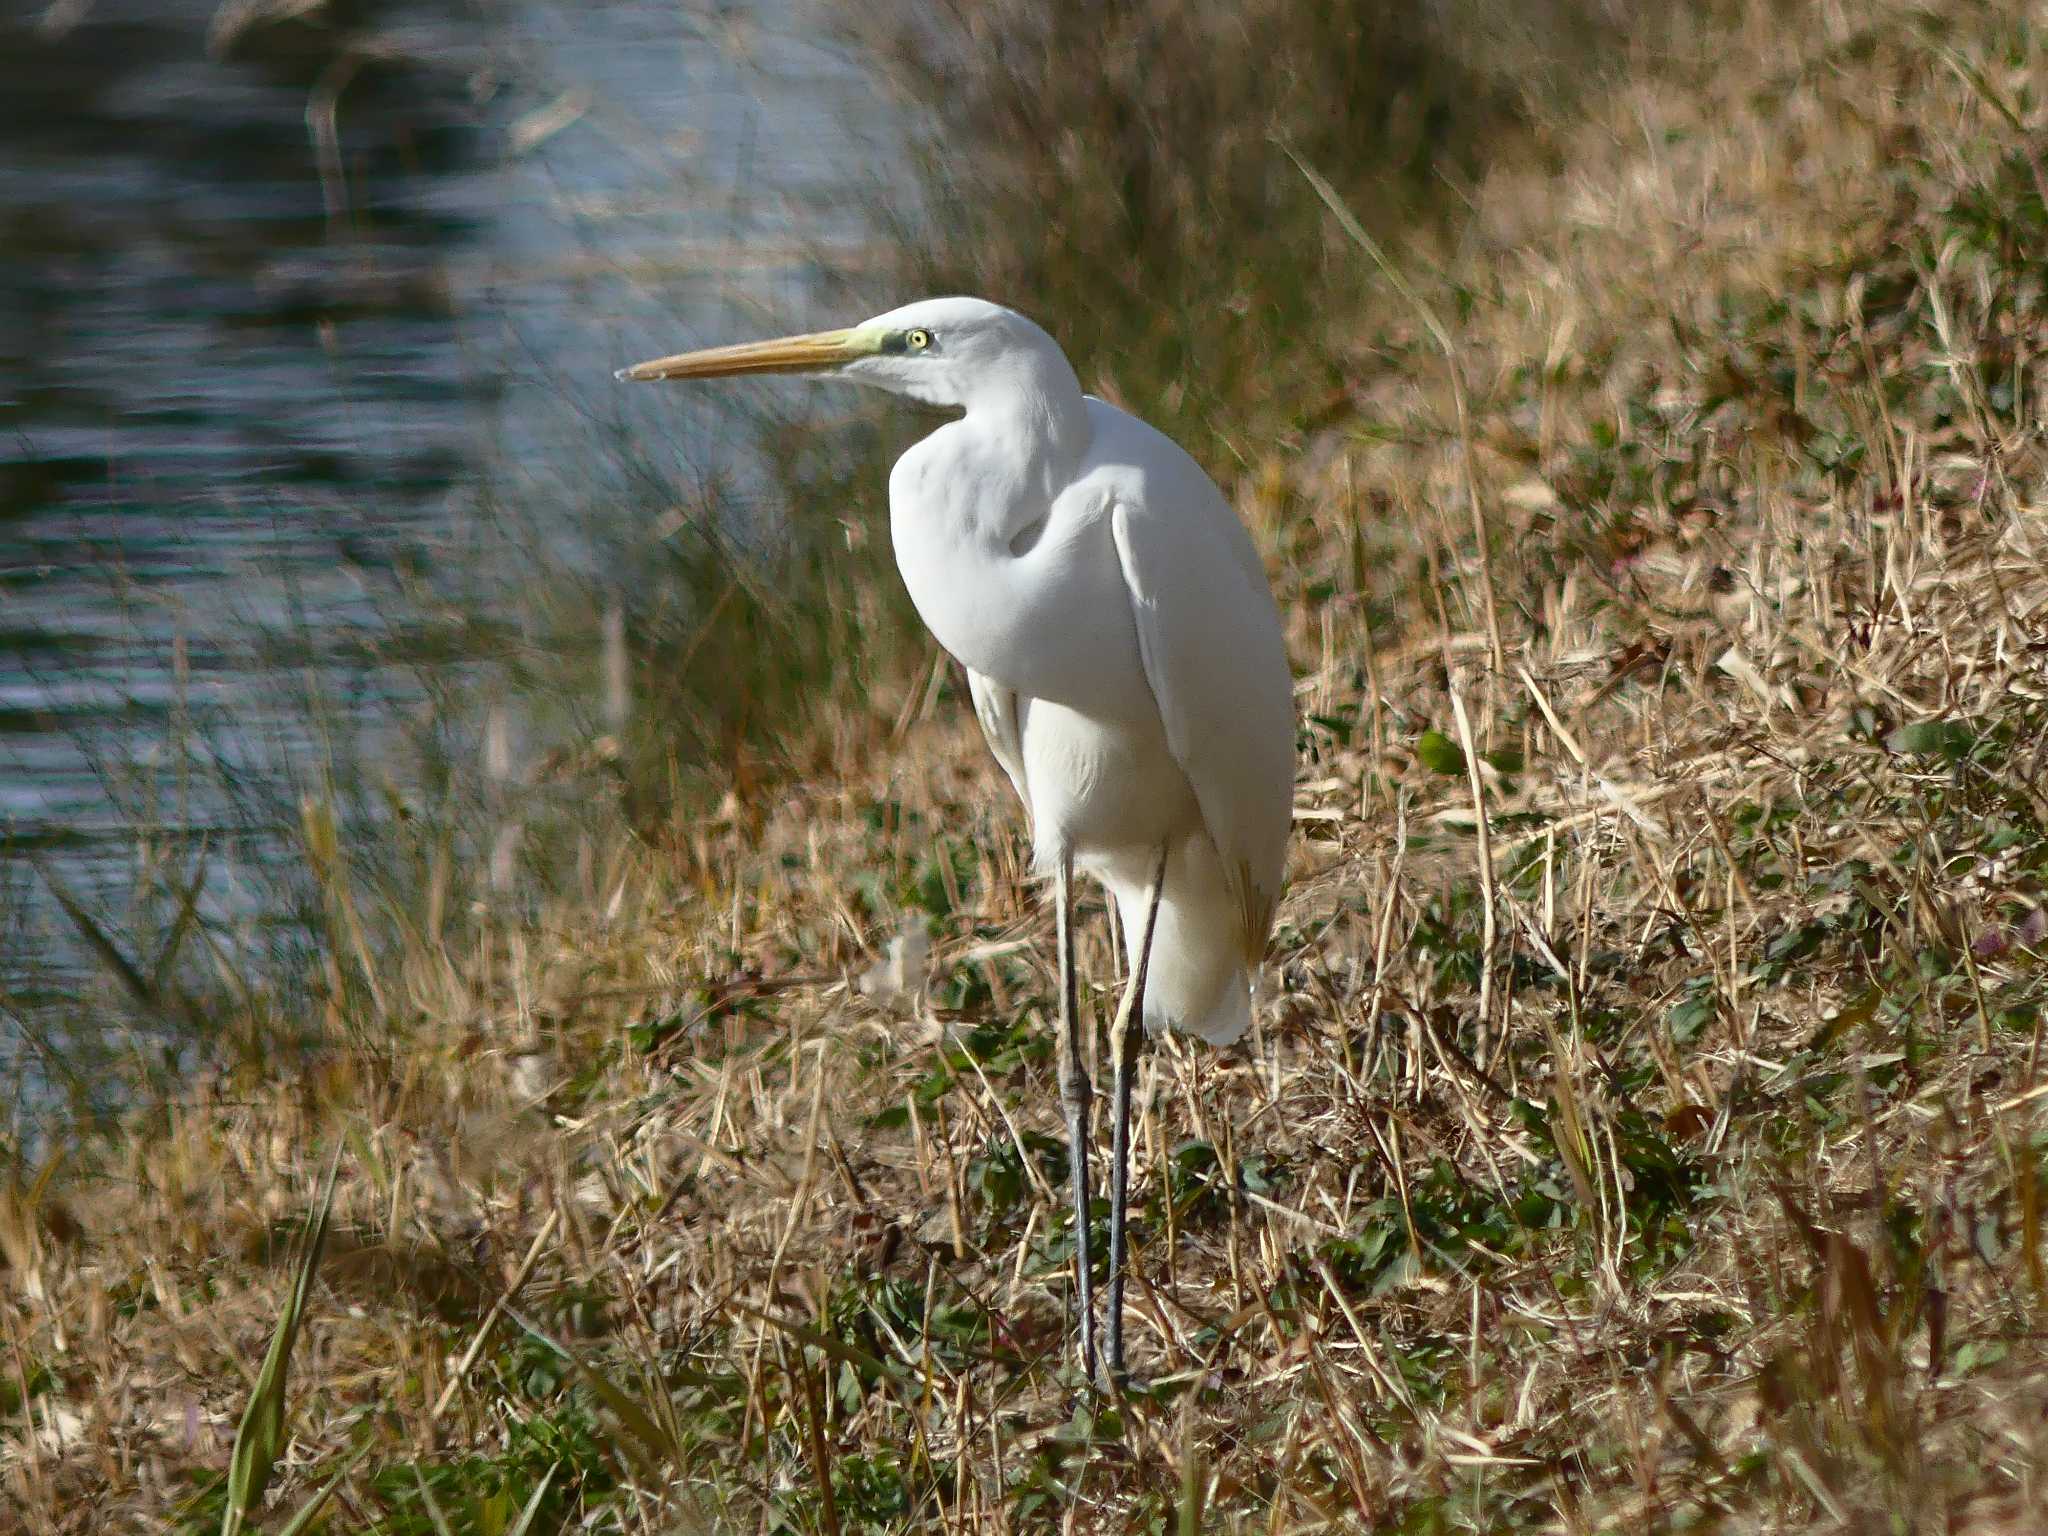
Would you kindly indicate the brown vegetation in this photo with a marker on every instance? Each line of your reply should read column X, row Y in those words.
column 1644, row 1128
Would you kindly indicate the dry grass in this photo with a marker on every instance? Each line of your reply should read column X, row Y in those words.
column 1666, row 1157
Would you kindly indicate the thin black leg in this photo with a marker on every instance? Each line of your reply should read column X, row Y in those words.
column 1124, row 1034
column 1075, row 1094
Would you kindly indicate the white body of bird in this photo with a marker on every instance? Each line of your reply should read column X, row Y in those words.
column 1125, row 658
column 1127, row 667
column 1121, row 644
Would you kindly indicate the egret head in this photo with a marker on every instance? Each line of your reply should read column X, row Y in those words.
column 948, row 352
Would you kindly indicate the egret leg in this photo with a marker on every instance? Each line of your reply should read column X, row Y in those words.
column 1075, row 1094
column 1124, row 1035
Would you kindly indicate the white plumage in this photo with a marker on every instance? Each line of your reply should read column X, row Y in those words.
column 1121, row 645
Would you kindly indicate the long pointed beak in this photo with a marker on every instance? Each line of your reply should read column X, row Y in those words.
column 788, row 354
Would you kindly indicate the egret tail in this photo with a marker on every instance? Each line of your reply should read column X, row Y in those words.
column 1195, row 981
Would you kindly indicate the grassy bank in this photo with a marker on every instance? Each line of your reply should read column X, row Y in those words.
column 1642, row 1133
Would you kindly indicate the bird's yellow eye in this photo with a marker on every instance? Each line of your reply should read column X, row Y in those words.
column 918, row 340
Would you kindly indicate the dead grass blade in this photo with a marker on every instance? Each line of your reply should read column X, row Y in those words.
column 163, row 1001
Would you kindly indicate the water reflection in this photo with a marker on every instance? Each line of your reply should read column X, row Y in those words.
column 287, row 295
column 205, row 371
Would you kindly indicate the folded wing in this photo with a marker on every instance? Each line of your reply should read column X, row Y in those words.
column 1209, row 636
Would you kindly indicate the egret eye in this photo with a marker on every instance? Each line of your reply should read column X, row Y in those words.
column 917, row 340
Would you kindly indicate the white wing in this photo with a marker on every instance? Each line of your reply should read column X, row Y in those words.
column 1209, row 636
column 996, row 708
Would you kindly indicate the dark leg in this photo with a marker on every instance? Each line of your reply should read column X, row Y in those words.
column 1130, row 1020
column 1075, row 1094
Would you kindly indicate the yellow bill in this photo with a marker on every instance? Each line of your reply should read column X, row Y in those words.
column 787, row 354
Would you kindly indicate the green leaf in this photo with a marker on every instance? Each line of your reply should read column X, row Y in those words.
column 1439, row 753
column 649, row 1444
column 1692, row 1013
column 1975, row 1355
column 1931, row 738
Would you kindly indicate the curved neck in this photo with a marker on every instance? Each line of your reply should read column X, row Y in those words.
column 1036, row 417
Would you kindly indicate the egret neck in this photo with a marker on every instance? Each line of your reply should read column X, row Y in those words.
column 991, row 476
column 1031, row 600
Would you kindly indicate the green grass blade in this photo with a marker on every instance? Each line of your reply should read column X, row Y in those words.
column 433, row 1506
column 838, row 1349
column 1190, row 1521
column 656, row 1452
column 532, row 1511
column 310, row 1510
column 261, row 1435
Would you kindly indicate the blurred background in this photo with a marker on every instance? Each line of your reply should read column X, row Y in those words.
column 327, row 537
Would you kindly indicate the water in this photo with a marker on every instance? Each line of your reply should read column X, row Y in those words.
column 283, row 316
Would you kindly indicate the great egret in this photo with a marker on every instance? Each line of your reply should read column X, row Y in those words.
column 1126, row 663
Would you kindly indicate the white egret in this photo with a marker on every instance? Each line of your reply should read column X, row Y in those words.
column 1125, row 659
